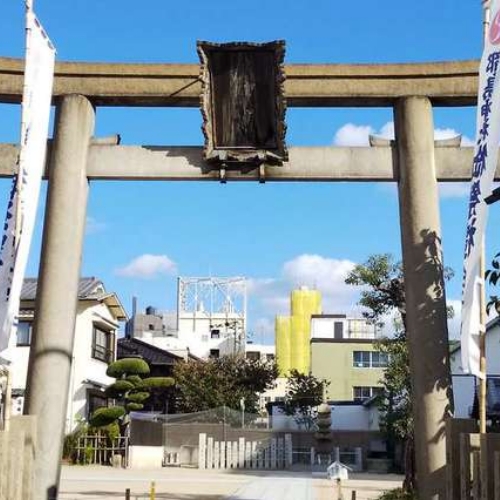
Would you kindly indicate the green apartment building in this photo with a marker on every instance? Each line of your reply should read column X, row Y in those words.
column 343, row 351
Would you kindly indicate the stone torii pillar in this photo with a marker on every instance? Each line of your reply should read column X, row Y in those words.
column 425, row 296
column 51, row 351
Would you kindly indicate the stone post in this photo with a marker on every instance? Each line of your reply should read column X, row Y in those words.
column 56, row 305
column 425, row 296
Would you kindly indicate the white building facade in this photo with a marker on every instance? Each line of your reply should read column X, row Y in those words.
column 97, row 322
column 464, row 385
column 210, row 321
column 339, row 326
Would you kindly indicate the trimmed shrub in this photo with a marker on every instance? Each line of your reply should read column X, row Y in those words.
column 118, row 388
column 138, row 397
column 398, row 494
column 106, row 416
column 135, row 380
column 132, row 366
column 134, row 406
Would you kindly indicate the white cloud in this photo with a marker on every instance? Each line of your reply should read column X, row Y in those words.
column 387, row 131
column 148, row 266
column 271, row 296
column 445, row 133
column 315, row 271
column 353, row 135
column 93, row 226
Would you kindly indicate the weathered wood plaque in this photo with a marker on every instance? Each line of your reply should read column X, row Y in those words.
column 243, row 103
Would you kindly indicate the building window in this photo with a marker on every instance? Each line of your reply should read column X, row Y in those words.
column 253, row 355
column 269, row 357
column 362, row 393
column 24, row 329
column 214, row 353
column 102, row 345
column 338, row 330
column 215, row 334
column 369, row 359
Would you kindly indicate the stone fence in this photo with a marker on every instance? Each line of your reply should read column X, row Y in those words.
column 273, row 453
column 17, row 455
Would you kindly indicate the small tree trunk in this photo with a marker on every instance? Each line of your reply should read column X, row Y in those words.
column 409, row 483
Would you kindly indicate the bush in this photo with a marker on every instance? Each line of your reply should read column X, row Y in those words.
column 71, row 442
column 134, row 406
column 103, row 417
column 135, row 380
column 111, row 431
column 398, row 494
column 118, row 388
column 131, row 366
column 138, row 397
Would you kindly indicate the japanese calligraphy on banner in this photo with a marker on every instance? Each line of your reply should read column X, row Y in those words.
column 483, row 172
column 23, row 199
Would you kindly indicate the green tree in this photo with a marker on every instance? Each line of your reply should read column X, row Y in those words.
column 204, row 385
column 383, row 292
column 130, row 390
column 304, row 394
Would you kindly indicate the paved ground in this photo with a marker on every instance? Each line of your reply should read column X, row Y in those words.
column 106, row 483
column 276, row 488
column 367, row 486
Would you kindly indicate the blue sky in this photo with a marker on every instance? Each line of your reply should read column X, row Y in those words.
column 277, row 235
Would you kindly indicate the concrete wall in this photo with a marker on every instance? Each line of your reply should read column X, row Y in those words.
column 333, row 361
column 146, row 436
column 344, row 418
column 145, row 457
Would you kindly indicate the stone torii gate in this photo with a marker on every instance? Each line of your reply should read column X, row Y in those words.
column 411, row 160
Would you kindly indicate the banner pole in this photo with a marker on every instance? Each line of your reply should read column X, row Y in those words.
column 17, row 235
column 482, row 344
column 482, row 284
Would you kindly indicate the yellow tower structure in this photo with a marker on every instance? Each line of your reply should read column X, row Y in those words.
column 293, row 333
column 304, row 303
column 283, row 344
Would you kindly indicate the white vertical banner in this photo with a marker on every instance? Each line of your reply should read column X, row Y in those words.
column 483, row 172
column 23, row 199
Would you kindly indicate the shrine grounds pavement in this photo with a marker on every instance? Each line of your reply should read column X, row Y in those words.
column 106, row 483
